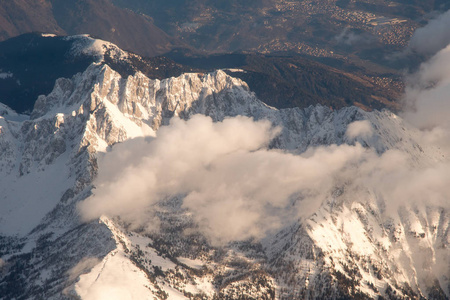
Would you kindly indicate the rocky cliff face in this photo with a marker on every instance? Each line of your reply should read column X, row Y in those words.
column 347, row 249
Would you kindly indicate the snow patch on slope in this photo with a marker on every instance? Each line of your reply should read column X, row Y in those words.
column 116, row 277
column 85, row 45
column 27, row 199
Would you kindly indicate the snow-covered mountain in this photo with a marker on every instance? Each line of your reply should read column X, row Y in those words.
column 353, row 245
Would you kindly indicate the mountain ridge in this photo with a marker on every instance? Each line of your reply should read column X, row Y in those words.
column 299, row 82
column 97, row 109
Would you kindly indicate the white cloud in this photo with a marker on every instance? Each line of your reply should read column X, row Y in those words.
column 427, row 97
column 430, row 108
column 427, row 107
column 359, row 129
column 231, row 182
column 402, row 184
column 432, row 37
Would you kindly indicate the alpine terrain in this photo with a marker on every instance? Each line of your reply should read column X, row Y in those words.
column 122, row 182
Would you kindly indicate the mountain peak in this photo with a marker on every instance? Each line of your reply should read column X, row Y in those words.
column 85, row 45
